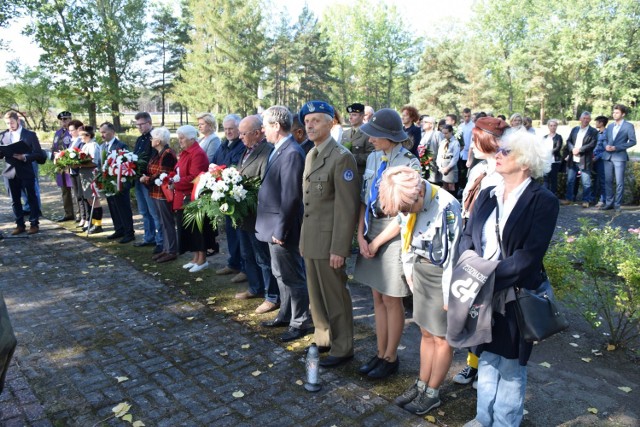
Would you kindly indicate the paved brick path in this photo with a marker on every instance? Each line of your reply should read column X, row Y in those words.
column 84, row 317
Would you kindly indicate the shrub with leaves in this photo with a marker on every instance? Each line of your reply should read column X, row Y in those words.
column 597, row 271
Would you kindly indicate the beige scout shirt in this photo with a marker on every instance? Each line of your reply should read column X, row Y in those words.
column 331, row 186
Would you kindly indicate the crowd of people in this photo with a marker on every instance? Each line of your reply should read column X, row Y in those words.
column 418, row 194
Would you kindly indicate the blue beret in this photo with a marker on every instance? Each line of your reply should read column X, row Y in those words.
column 315, row 107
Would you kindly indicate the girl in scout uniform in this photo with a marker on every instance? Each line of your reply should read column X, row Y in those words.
column 379, row 265
column 431, row 224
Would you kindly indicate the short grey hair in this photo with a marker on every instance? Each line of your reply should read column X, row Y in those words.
column 281, row 115
column 585, row 113
column 232, row 117
column 210, row 119
column 529, row 152
column 553, row 121
column 516, row 116
column 255, row 121
column 430, row 119
column 187, row 131
column 161, row 134
column 369, row 109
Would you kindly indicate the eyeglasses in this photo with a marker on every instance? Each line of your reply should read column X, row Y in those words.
column 141, row 124
column 503, row 151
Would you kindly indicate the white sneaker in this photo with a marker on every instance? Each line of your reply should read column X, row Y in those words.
column 200, row 267
column 188, row 265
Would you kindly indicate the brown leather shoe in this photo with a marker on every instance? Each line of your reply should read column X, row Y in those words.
column 33, row 229
column 245, row 295
column 167, row 257
column 239, row 278
column 226, row 270
column 266, row 307
column 18, row 230
column 156, row 257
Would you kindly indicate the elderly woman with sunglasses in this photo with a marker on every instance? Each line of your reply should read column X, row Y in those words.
column 431, row 223
column 511, row 222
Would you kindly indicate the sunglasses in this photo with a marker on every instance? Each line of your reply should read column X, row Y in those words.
column 504, row 151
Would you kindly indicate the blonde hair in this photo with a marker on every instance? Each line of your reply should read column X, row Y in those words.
column 529, row 152
column 400, row 188
column 210, row 119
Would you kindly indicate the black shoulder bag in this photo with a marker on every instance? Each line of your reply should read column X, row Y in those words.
column 537, row 314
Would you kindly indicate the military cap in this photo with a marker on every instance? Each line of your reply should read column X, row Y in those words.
column 355, row 108
column 315, row 107
column 64, row 115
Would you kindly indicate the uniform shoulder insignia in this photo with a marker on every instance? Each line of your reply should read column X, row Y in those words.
column 409, row 155
column 342, row 149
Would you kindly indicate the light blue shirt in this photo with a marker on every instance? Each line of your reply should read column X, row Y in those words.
column 277, row 146
column 466, row 137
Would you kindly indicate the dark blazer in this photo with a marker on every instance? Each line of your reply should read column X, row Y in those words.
column 586, row 150
column 228, row 156
column 525, row 240
column 117, row 145
column 24, row 169
column 255, row 165
column 626, row 138
column 280, row 196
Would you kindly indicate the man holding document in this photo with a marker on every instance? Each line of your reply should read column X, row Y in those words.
column 20, row 147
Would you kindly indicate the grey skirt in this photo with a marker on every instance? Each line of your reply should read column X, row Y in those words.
column 384, row 271
column 428, row 299
column 451, row 177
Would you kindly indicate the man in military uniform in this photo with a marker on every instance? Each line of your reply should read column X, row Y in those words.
column 356, row 141
column 62, row 141
column 331, row 187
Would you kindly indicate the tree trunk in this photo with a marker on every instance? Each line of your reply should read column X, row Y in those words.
column 115, row 115
column 93, row 109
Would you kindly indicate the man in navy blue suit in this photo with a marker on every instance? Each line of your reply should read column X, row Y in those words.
column 119, row 204
column 20, row 172
column 621, row 136
column 279, row 220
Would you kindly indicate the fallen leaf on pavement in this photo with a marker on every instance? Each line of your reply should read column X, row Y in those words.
column 576, row 336
column 430, row 418
column 625, row 389
column 238, row 394
column 586, row 359
column 299, row 382
column 592, row 410
column 256, row 373
column 120, row 409
column 245, row 346
column 128, row 418
column 121, row 379
column 611, row 347
column 545, row 364
column 572, row 344
column 138, row 424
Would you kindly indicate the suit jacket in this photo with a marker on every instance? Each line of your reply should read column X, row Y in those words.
column 24, row 169
column 625, row 138
column 255, row 165
column 228, row 156
column 525, row 239
column 331, row 188
column 586, row 150
column 280, row 195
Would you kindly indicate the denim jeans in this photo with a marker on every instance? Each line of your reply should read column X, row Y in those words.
column 551, row 179
column 598, row 186
column 501, row 388
column 150, row 218
column 25, row 198
column 234, row 260
column 257, row 265
column 585, row 177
